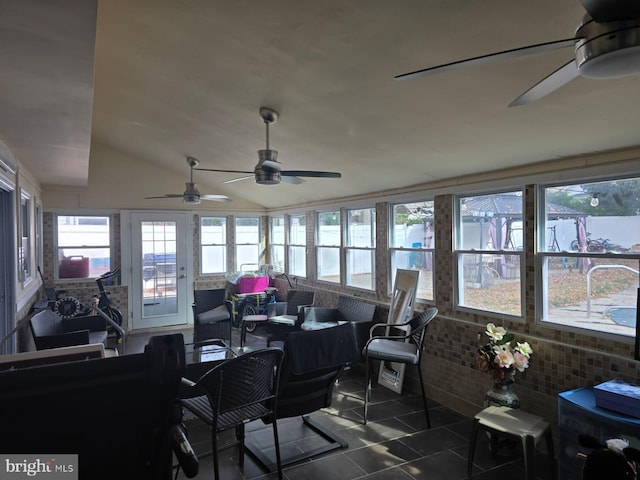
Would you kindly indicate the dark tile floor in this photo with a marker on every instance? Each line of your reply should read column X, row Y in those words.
column 394, row 445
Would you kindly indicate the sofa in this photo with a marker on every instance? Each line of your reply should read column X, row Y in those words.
column 49, row 330
column 358, row 313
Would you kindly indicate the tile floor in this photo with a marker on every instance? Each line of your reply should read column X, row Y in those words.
column 394, row 445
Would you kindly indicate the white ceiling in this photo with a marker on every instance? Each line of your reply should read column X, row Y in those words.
column 176, row 78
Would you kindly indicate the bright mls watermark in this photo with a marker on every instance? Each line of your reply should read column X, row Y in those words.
column 53, row 467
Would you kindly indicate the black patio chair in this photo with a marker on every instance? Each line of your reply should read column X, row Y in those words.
column 236, row 392
column 399, row 348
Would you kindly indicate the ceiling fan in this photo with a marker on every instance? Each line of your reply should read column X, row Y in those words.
column 269, row 171
column 191, row 194
column 607, row 45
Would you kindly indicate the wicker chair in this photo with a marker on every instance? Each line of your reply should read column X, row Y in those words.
column 238, row 391
column 286, row 317
column 405, row 349
column 211, row 315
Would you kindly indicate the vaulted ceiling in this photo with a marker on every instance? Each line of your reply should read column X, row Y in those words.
column 176, row 78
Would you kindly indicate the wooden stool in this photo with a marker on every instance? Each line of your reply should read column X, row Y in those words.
column 243, row 327
column 516, row 423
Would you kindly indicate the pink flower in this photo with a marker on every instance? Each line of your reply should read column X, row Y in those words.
column 504, row 357
column 520, row 361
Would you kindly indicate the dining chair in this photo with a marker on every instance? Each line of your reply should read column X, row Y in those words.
column 237, row 391
column 405, row 348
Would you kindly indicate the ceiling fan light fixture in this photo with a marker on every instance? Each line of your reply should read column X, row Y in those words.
column 267, row 178
column 608, row 50
column 192, row 199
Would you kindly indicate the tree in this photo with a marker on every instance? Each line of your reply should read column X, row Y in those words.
column 617, row 198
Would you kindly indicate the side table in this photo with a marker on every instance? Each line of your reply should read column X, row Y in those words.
column 243, row 325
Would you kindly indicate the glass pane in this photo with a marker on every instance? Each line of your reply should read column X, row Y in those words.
column 490, row 282
column 329, row 228
column 298, row 261
column 247, row 258
column 412, row 225
column 415, row 260
column 83, row 246
column 247, row 230
column 214, row 259
column 329, row 264
column 600, row 217
column 213, row 230
column 360, row 268
column 361, row 228
column 490, row 222
column 592, row 292
column 297, row 230
column 159, row 272
column 277, row 230
column 83, row 262
column 277, row 258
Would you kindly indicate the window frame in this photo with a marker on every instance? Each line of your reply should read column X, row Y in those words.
column 57, row 246
column 25, row 250
column 291, row 246
column 273, row 245
column 225, row 245
column 350, row 248
column 320, row 247
column 459, row 252
column 545, row 254
column 413, row 252
column 258, row 245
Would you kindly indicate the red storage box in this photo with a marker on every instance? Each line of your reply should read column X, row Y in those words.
column 74, row 267
column 252, row 284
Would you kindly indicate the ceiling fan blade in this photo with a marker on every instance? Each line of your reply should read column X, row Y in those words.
column 612, row 10
column 241, row 178
column 168, row 195
column 271, row 166
column 310, row 173
column 215, row 198
column 492, row 57
column 222, row 171
column 552, row 82
column 291, row 180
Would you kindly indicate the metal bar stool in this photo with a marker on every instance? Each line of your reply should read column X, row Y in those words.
column 513, row 422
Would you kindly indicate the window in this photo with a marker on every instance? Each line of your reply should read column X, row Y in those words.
column 488, row 251
column 328, row 246
column 247, row 243
column 277, row 241
column 360, row 248
column 411, row 243
column 83, row 246
column 213, row 245
column 589, row 249
column 24, row 250
column 297, row 245
column 38, row 226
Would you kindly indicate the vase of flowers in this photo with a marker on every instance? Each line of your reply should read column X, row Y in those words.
column 502, row 357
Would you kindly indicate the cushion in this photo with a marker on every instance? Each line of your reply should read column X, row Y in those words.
column 284, row 320
column 216, row 314
column 393, row 350
column 98, row 337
